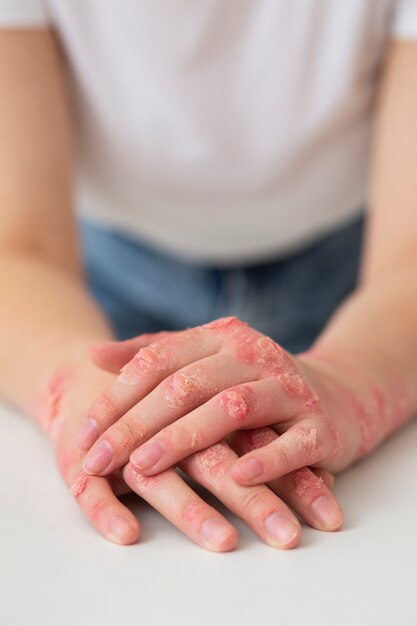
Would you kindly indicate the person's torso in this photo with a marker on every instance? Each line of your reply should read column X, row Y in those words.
column 223, row 130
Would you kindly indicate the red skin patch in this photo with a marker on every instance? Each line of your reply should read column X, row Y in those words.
column 335, row 435
column 371, row 416
column 193, row 513
column 237, row 401
column 48, row 403
column 304, row 481
column 380, row 412
column 308, row 437
column 144, row 482
column 78, row 487
column 257, row 438
column 254, row 349
column 214, row 460
column 183, row 389
column 371, row 425
column 224, row 323
column 262, row 352
column 297, row 388
column 153, row 358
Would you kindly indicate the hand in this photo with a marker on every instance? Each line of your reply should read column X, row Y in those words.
column 302, row 488
column 59, row 409
column 190, row 389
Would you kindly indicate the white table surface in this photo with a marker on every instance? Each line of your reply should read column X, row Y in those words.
column 56, row 570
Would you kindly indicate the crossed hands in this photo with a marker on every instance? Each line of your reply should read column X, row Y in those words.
column 259, row 428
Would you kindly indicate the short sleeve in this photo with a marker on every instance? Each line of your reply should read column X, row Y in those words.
column 404, row 23
column 23, row 13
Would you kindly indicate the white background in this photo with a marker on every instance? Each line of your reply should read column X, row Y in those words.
column 56, row 570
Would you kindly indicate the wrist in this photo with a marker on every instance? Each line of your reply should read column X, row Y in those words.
column 379, row 404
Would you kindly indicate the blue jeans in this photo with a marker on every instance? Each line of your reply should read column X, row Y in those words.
column 290, row 299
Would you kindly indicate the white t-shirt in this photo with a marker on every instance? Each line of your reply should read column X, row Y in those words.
column 222, row 130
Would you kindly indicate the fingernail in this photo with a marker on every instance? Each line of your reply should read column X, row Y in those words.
column 326, row 512
column 98, row 458
column 215, row 531
column 147, row 455
column 120, row 527
column 249, row 468
column 88, row 434
column 280, row 528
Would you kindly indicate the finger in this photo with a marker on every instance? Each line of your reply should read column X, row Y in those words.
column 107, row 514
column 113, row 355
column 95, row 496
column 144, row 372
column 117, row 483
column 190, row 387
column 327, row 477
column 239, row 441
column 308, row 495
column 304, row 490
column 149, row 366
column 248, row 405
column 308, row 442
column 258, row 506
column 175, row 500
column 153, row 362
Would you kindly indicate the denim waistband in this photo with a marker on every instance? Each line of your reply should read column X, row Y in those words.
column 144, row 290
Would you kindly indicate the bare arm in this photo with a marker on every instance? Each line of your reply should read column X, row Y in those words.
column 46, row 315
column 376, row 329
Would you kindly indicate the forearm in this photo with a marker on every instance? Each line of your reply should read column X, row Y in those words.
column 47, row 319
column 46, row 316
column 373, row 337
column 375, row 332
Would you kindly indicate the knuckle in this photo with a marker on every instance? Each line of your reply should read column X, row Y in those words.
column 106, row 404
column 193, row 512
column 269, row 354
column 231, row 323
column 251, row 348
column 183, row 388
column 309, row 441
column 237, row 402
column 215, row 460
column 127, row 433
column 177, row 437
column 80, row 484
column 257, row 438
column 155, row 357
column 306, row 483
column 97, row 509
column 179, row 440
column 296, row 387
column 253, row 501
column 139, row 483
column 278, row 459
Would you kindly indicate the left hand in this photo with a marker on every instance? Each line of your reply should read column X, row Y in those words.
column 192, row 388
